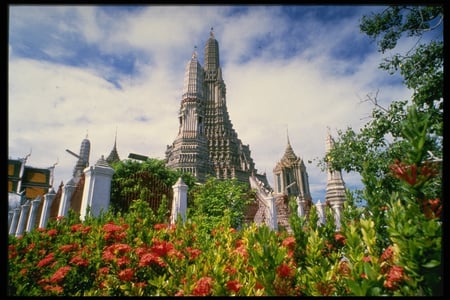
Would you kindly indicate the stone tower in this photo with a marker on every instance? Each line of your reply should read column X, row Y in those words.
column 335, row 192
column 189, row 151
column 83, row 158
column 206, row 143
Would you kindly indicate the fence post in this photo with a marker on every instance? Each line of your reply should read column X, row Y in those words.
column 10, row 217
column 32, row 217
column 15, row 219
column 321, row 211
column 65, row 199
column 179, row 202
column 300, row 206
column 48, row 200
column 23, row 217
column 97, row 188
column 337, row 215
column 271, row 210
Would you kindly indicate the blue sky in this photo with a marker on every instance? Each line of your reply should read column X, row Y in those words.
column 77, row 70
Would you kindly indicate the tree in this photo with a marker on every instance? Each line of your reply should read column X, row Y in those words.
column 398, row 154
column 124, row 182
column 215, row 198
column 372, row 149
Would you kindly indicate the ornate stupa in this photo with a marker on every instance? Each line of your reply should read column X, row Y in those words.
column 207, row 143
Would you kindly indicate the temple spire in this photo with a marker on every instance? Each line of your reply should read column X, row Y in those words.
column 113, row 155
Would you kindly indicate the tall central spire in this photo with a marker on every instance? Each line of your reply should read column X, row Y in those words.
column 206, row 142
column 212, row 62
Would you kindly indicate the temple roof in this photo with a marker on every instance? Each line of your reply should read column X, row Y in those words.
column 114, row 155
column 289, row 158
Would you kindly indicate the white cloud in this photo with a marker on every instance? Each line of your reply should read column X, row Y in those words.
column 53, row 105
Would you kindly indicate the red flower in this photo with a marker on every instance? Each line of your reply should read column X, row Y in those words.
column 340, row 238
column 52, row 232
column 413, row 174
column 108, row 255
column 388, row 254
column 203, row 287
column 259, row 286
column 366, row 259
column 68, row 248
column 140, row 284
column 180, row 293
column 60, row 274
column 193, row 253
column 234, row 285
column 149, row 258
column 76, row 227
column 230, row 270
column 161, row 248
column 289, row 242
column 159, row 226
column 55, row 289
column 103, row 270
column 126, row 274
column 86, row 229
column 120, row 248
column 241, row 250
column 432, row 208
column 284, row 270
column 31, row 247
column 123, row 261
column 79, row 261
column 344, row 268
column 114, row 232
column 394, row 278
column 46, row 260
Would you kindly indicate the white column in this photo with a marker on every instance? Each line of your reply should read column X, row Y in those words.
column 45, row 214
column 10, row 217
column 179, row 201
column 321, row 211
column 271, row 211
column 337, row 215
column 15, row 219
column 64, row 205
column 300, row 207
column 97, row 189
column 23, row 217
column 32, row 217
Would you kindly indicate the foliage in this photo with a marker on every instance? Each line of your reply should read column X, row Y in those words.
column 123, row 181
column 391, row 247
column 212, row 199
column 131, row 255
column 396, row 154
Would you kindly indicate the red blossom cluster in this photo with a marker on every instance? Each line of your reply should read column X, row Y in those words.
column 203, row 287
column 285, row 271
column 432, row 208
column 340, row 238
column 80, row 228
column 234, row 285
column 115, row 232
column 394, row 277
column 412, row 174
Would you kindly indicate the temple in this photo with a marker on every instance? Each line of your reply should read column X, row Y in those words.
column 206, row 143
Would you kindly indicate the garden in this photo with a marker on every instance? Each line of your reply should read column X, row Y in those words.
column 389, row 246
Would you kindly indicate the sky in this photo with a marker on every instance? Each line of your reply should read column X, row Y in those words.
column 296, row 71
